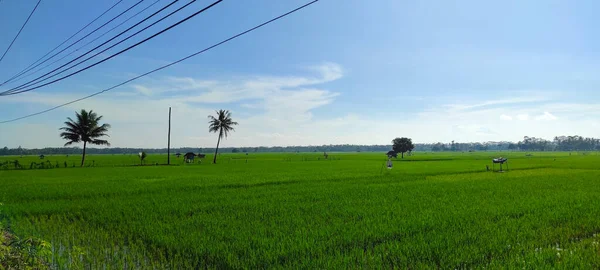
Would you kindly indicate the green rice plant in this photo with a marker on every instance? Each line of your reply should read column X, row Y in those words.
column 434, row 210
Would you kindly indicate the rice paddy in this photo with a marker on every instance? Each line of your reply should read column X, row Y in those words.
column 432, row 210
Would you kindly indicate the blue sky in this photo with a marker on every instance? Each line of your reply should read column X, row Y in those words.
column 358, row 72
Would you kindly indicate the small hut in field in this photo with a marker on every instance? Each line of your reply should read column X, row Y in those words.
column 189, row 157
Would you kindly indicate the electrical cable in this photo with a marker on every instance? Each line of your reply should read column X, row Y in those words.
column 164, row 66
column 106, row 11
column 76, row 50
column 79, row 40
column 18, row 89
column 19, row 33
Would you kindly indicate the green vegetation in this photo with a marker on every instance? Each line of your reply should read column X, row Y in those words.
column 439, row 210
column 222, row 124
column 86, row 129
column 402, row 145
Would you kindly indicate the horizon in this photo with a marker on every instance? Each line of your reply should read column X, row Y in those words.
column 551, row 140
column 299, row 134
column 465, row 71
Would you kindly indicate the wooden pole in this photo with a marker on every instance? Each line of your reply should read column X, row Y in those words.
column 169, row 140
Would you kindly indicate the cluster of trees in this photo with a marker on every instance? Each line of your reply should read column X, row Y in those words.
column 576, row 143
column 532, row 144
column 86, row 129
column 402, row 145
column 464, row 147
column 560, row 143
column 262, row 149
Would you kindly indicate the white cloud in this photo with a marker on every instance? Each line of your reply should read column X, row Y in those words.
column 279, row 104
column 491, row 103
column 523, row 117
column 282, row 110
column 546, row 117
column 330, row 71
column 142, row 90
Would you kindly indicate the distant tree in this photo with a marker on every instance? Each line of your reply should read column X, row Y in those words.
column 85, row 129
column 221, row 124
column 402, row 145
column 142, row 156
column 438, row 147
column 534, row 144
column 235, row 150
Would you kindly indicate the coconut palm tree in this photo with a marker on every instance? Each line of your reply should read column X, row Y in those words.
column 222, row 124
column 85, row 129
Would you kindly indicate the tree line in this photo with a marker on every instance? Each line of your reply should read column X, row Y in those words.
column 86, row 128
column 559, row 143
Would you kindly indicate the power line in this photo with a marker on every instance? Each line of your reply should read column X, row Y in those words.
column 165, row 66
column 76, row 50
column 16, row 90
column 24, row 88
column 23, row 26
column 79, row 40
column 87, row 35
column 106, row 11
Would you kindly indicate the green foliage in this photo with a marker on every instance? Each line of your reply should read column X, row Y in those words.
column 86, row 129
column 27, row 253
column 18, row 253
column 142, row 156
column 560, row 143
column 221, row 124
column 402, row 145
column 295, row 211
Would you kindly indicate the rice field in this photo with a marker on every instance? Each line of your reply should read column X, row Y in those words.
column 432, row 210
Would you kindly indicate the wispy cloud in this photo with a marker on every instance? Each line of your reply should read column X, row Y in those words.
column 282, row 110
column 277, row 104
column 528, row 99
column 142, row 90
column 284, row 95
column 523, row 117
column 546, row 117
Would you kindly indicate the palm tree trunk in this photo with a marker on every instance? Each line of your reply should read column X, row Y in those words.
column 83, row 156
column 217, row 149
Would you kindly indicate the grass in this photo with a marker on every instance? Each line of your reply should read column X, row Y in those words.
column 438, row 210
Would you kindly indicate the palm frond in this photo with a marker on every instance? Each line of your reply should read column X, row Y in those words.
column 69, row 134
column 70, row 142
column 221, row 123
column 84, row 128
column 100, row 142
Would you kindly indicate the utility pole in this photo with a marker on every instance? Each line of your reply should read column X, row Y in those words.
column 169, row 140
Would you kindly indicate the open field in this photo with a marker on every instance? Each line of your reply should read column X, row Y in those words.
column 438, row 210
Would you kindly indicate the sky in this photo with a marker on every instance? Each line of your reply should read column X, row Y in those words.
column 337, row 72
